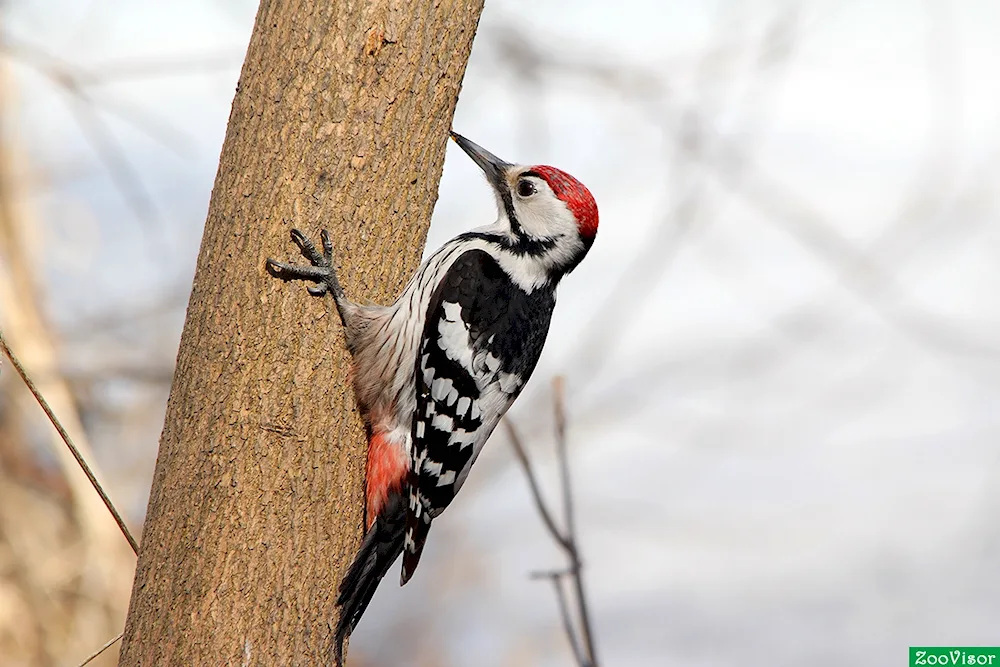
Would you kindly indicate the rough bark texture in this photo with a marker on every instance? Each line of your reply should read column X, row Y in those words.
column 340, row 121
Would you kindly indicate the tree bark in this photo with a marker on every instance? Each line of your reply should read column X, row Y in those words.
column 340, row 120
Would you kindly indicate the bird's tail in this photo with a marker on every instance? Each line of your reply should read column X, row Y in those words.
column 382, row 545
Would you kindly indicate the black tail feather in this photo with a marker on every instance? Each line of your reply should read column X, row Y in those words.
column 379, row 550
column 416, row 530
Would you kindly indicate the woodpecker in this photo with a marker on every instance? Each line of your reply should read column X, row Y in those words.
column 435, row 371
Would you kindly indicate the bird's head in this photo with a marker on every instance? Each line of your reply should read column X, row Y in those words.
column 543, row 210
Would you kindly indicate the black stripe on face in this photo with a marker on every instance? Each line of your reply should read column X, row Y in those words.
column 521, row 245
column 524, row 243
column 508, row 206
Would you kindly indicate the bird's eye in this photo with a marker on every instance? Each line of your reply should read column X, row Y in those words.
column 525, row 188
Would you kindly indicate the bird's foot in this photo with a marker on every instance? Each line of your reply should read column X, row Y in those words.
column 321, row 272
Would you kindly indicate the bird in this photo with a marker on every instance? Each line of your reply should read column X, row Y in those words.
column 435, row 371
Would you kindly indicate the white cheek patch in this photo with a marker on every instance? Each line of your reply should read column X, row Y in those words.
column 545, row 215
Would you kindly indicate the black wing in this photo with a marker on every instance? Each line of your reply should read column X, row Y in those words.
column 482, row 338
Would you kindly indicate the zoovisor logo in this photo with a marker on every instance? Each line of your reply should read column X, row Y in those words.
column 954, row 655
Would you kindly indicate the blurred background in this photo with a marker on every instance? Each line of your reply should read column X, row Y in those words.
column 782, row 356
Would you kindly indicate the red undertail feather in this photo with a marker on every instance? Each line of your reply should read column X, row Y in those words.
column 387, row 469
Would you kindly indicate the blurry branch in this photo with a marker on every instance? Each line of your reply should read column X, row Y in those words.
column 123, row 175
column 728, row 162
column 17, row 461
column 76, row 83
column 90, row 598
column 174, row 140
column 25, row 327
column 559, row 394
column 72, row 81
column 935, row 178
column 69, row 443
column 689, row 123
column 558, row 586
column 154, row 372
column 184, row 65
column 584, row 651
column 812, row 322
column 114, row 71
column 855, row 270
column 725, row 363
column 172, row 299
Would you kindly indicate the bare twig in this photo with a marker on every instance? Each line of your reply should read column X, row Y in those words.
column 536, row 492
column 102, row 649
column 78, row 83
column 557, row 584
column 559, row 407
column 585, row 653
column 75, row 82
column 123, row 175
column 558, row 390
column 69, row 443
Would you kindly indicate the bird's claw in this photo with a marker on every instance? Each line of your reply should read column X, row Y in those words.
column 321, row 271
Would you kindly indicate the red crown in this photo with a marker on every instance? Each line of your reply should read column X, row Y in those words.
column 576, row 195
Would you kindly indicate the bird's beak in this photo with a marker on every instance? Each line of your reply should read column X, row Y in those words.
column 492, row 166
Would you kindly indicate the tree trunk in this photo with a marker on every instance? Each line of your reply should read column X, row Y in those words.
column 340, row 121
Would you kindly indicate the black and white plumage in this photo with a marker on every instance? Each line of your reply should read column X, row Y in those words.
column 482, row 338
column 435, row 372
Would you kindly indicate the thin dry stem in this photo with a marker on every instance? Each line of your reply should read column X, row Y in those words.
column 536, row 492
column 69, row 443
column 586, row 655
column 557, row 584
column 101, row 650
column 559, row 406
